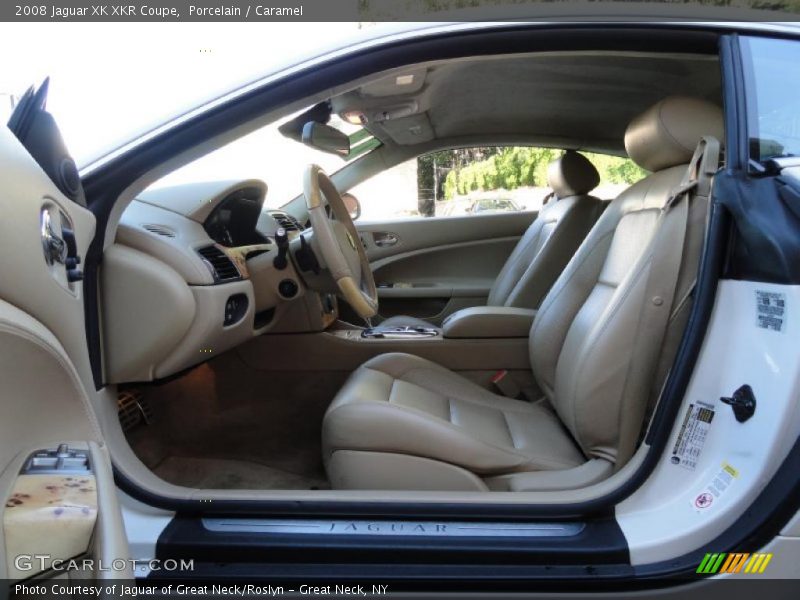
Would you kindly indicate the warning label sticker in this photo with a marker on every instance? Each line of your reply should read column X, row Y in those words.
column 720, row 482
column 692, row 436
column 770, row 310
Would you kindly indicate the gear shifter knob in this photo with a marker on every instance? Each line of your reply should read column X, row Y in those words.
column 282, row 241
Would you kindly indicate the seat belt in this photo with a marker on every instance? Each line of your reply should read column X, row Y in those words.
column 662, row 281
column 506, row 385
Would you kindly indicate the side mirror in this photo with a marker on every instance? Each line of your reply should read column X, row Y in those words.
column 352, row 205
column 326, row 138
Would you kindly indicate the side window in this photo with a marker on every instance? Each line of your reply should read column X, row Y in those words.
column 477, row 181
column 772, row 69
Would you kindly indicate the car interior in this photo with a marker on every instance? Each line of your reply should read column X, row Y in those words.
column 295, row 349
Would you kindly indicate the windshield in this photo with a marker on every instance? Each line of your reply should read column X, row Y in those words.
column 138, row 81
column 267, row 155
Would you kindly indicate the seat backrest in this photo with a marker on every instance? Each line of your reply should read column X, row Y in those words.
column 552, row 238
column 582, row 340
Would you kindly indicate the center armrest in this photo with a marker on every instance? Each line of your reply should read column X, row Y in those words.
column 489, row 322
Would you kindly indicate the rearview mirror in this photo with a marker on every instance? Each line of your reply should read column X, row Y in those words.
column 326, row 138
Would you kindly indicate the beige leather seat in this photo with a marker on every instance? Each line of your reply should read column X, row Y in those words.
column 402, row 422
column 548, row 243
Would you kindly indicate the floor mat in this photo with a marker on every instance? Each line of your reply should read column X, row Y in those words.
column 211, row 473
column 267, row 423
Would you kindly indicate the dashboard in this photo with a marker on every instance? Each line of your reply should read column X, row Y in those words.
column 192, row 273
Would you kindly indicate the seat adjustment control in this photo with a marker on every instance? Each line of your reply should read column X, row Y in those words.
column 59, row 461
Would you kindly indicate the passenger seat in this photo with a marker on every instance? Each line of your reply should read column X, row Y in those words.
column 548, row 244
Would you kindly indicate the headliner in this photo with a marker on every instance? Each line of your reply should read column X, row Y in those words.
column 581, row 100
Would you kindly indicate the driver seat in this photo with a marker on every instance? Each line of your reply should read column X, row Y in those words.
column 403, row 422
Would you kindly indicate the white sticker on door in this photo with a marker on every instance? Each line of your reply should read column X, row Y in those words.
column 692, row 436
column 720, row 482
column 771, row 310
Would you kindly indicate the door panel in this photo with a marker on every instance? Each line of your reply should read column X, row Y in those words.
column 68, row 506
column 431, row 267
column 27, row 280
column 61, row 510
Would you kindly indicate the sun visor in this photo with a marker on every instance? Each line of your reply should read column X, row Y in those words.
column 409, row 130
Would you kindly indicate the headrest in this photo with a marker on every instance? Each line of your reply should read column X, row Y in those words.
column 667, row 133
column 572, row 175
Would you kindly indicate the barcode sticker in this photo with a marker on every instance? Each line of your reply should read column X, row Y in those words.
column 770, row 310
column 692, row 436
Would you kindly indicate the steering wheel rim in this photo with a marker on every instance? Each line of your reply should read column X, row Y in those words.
column 339, row 243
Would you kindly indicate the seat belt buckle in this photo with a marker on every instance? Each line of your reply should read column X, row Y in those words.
column 506, row 385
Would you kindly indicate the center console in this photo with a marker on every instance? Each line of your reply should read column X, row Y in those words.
column 400, row 333
column 480, row 322
column 481, row 338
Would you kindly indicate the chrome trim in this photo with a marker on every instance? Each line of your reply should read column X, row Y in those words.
column 53, row 245
column 383, row 239
column 393, row 528
column 400, row 332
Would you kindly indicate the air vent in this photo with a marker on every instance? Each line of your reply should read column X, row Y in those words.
column 159, row 230
column 222, row 267
column 287, row 221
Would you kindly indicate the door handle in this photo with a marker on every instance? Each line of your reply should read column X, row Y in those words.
column 54, row 246
column 59, row 244
column 384, row 239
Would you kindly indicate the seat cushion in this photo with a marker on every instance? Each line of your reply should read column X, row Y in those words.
column 404, row 404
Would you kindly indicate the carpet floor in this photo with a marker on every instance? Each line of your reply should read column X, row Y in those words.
column 226, row 425
column 219, row 474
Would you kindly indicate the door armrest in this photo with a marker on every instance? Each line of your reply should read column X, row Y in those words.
column 489, row 322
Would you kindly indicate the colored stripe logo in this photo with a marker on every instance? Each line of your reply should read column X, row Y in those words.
column 734, row 562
